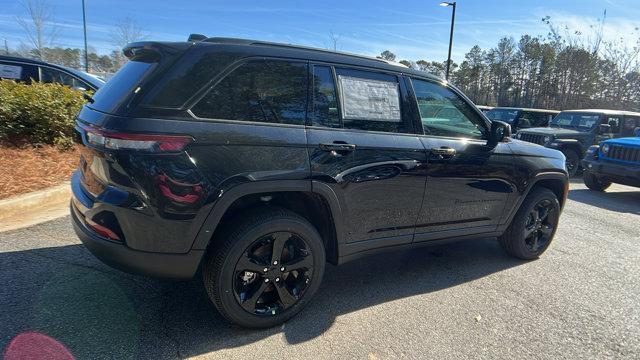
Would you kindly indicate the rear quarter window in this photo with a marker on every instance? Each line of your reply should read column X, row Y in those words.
column 271, row 91
column 19, row 72
column 13, row 72
column 115, row 92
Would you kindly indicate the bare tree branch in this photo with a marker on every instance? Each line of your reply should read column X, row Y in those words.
column 39, row 25
column 126, row 30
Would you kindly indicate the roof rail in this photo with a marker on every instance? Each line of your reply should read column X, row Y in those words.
column 225, row 40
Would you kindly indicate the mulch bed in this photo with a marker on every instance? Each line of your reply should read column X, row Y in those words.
column 26, row 168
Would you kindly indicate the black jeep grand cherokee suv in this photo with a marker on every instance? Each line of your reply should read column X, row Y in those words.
column 256, row 163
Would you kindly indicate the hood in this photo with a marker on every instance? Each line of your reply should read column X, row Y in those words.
column 524, row 148
column 632, row 141
column 557, row 132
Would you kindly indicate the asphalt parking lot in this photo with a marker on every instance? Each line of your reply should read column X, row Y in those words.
column 468, row 299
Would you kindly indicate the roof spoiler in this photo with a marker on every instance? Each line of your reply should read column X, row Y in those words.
column 196, row 37
column 152, row 51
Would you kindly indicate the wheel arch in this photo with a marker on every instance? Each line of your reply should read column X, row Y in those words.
column 318, row 205
column 558, row 182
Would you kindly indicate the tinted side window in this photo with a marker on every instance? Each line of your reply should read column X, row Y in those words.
column 325, row 102
column 534, row 119
column 443, row 113
column 18, row 72
column 264, row 91
column 614, row 122
column 629, row 126
column 370, row 101
column 48, row 75
column 527, row 119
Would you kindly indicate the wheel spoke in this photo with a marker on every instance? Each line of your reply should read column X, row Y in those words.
column 543, row 213
column 246, row 263
column 304, row 262
column 528, row 231
column 535, row 213
column 249, row 304
column 534, row 243
column 279, row 240
column 285, row 295
column 546, row 230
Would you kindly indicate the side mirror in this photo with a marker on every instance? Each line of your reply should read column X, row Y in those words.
column 637, row 131
column 500, row 131
column 604, row 129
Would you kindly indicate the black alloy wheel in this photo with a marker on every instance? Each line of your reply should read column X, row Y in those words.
column 534, row 225
column 265, row 267
column 540, row 225
column 273, row 273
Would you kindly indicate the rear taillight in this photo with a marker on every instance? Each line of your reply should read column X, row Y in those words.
column 102, row 230
column 138, row 142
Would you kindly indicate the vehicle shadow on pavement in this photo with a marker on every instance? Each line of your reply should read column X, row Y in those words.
column 95, row 311
column 619, row 201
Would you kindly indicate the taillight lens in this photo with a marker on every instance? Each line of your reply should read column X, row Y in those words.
column 138, row 142
column 102, row 230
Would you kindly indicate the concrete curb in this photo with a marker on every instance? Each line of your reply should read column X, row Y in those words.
column 35, row 207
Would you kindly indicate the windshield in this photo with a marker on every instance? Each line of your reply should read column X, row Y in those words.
column 575, row 121
column 505, row 115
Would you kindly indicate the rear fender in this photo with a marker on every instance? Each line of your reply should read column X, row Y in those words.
column 220, row 207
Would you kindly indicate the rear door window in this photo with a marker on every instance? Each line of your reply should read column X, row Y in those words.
column 48, row 75
column 370, row 101
column 325, row 101
column 270, row 91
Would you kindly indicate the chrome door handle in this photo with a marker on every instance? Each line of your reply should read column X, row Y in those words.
column 338, row 147
column 445, row 152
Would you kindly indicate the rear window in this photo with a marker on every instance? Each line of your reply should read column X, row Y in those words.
column 121, row 86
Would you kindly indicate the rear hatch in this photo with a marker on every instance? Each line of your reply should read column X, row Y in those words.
column 147, row 61
column 132, row 167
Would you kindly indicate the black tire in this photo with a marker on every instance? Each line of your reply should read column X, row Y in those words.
column 595, row 183
column 572, row 161
column 515, row 241
column 258, row 230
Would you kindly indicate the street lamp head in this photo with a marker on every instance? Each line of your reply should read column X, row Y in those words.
column 444, row 3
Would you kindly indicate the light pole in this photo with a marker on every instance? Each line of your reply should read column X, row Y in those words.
column 453, row 20
column 84, row 25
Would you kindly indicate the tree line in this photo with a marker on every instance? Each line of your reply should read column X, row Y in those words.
column 566, row 69
column 41, row 33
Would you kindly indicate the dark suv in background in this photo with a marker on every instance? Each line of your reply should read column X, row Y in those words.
column 27, row 70
column 574, row 131
column 522, row 118
column 256, row 163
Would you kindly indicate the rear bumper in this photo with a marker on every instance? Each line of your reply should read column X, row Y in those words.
column 617, row 173
column 119, row 256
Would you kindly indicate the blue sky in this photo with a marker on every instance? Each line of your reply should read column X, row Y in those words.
column 412, row 29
